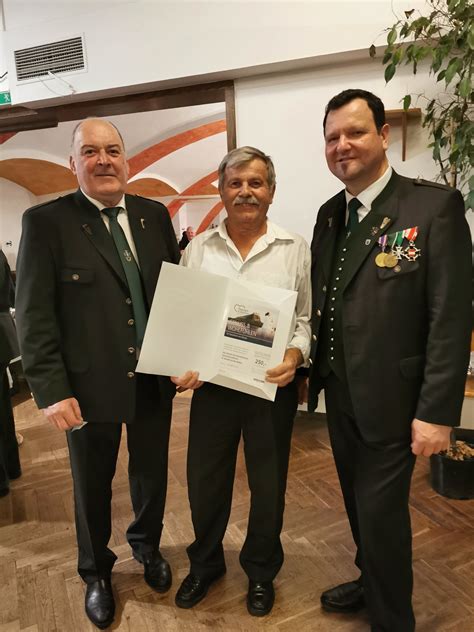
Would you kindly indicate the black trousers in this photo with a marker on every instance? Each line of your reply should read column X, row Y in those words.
column 219, row 417
column 375, row 481
column 9, row 455
column 93, row 452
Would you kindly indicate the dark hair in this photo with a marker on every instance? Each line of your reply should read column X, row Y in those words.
column 242, row 155
column 346, row 96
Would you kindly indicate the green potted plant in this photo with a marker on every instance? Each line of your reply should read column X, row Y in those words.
column 443, row 38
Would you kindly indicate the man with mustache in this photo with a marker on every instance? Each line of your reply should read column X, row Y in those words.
column 248, row 246
column 87, row 269
column 391, row 330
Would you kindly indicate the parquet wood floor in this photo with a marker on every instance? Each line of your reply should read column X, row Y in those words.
column 40, row 590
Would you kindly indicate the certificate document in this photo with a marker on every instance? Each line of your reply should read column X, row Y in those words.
column 231, row 331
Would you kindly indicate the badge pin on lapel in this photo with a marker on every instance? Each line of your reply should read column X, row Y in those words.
column 386, row 220
column 330, row 222
column 142, row 222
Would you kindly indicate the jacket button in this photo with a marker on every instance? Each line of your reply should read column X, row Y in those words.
column 324, row 288
column 75, row 277
column 315, row 337
column 131, row 349
column 311, row 362
column 128, row 301
column 130, row 374
column 318, row 312
column 130, row 322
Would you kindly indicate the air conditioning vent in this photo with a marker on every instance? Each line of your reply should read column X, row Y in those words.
column 56, row 57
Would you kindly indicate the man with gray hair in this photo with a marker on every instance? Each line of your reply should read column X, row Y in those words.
column 247, row 246
column 88, row 265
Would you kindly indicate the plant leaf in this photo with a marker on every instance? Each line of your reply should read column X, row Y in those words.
column 408, row 13
column 406, row 101
column 389, row 72
column 465, row 87
column 470, row 37
column 392, row 36
column 372, row 51
column 451, row 70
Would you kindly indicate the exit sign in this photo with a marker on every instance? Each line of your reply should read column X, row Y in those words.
column 5, row 98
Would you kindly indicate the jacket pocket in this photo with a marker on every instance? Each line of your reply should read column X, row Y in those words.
column 402, row 268
column 413, row 366
column 77, row 275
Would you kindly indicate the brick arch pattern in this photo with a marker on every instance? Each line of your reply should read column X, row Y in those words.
column 152, row 154
column 207, row 221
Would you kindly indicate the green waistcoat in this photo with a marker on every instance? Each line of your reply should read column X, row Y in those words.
column 330, row 356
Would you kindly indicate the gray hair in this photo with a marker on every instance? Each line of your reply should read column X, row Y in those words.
column 242, row 155
column 94, row 118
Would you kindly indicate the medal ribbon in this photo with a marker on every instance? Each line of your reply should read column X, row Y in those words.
column 382, row 241
column 411, row 233
column 395, row 239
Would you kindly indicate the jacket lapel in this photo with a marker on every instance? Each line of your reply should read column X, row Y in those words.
column 146, row 247
column 382, row 215
column 334, row 221
column 93, row 227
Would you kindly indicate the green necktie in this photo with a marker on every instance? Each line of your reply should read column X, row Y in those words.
column 353, row 220
column 131, row 272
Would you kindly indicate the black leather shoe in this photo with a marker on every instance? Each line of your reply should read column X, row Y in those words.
column 14, row 474
column 194, row 589
column 348, row 597
column 157, row 571
column 260, row 598
column 100, row 604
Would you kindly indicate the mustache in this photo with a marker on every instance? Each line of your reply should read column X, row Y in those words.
column 245, row 200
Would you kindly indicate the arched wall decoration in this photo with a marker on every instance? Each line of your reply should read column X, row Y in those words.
column 41, row 177
column 5, row 136
column 152, row 154
column 150, row 187
column 174, row 207
column 207, row 221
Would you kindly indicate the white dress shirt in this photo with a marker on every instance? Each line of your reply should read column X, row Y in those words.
column 278, row 258
column 369, row 194
column 122, row 218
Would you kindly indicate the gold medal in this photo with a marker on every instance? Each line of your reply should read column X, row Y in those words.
column 391, row 260
column 380, row 260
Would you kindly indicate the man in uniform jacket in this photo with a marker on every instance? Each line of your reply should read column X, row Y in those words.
column 9, row 457
column 88, row 265
column 391, row 328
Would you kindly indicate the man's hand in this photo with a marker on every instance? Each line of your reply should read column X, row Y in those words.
column 283, row 373
column 189, row 380
column 65, row 414
column 302, row 386
column 428, row 439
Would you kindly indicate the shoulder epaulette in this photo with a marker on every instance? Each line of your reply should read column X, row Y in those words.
column 36, row 206
column 429, row 183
